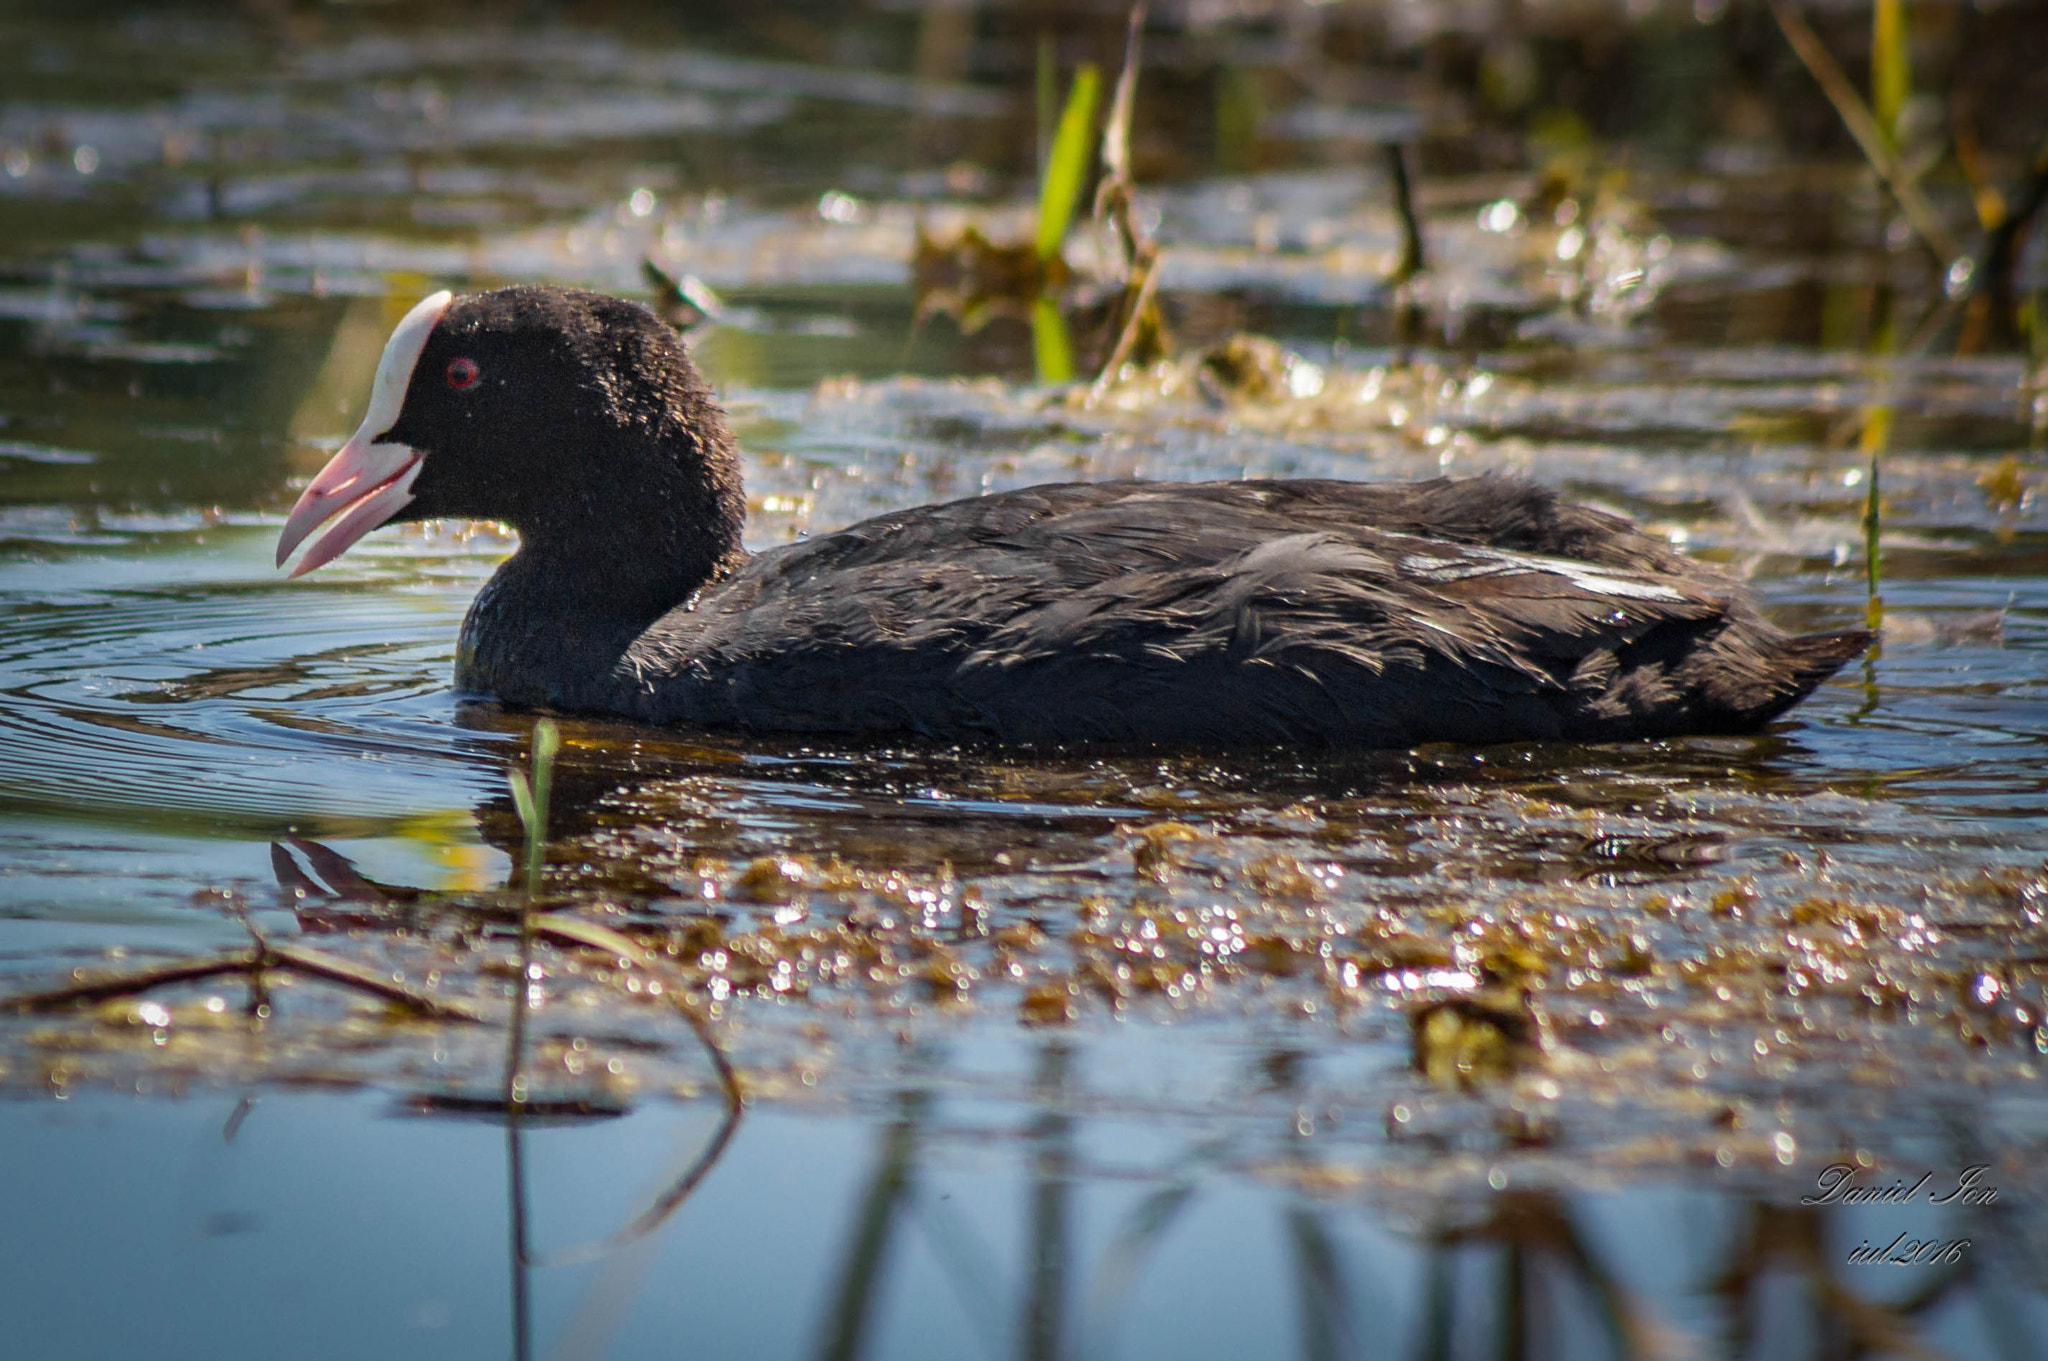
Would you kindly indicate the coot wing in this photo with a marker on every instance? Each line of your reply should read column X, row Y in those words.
column 1153, row 612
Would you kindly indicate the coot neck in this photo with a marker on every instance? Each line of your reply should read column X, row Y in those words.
column 629, row 561
column 638, row 533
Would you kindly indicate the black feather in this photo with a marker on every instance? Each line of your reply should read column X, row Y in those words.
column 1308, row 612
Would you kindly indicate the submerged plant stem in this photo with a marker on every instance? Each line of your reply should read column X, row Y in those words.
column 292, row 958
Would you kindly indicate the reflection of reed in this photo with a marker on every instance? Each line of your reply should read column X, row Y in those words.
column 532, row 798
column 515, row 1166
column 1325, row 1321
column 1125, row 1254
column 591, row 1322
column 532, row 801
column 893, row 1189
column 1542, row 1259
column 1052, row 1139
column 1541, row 1256
column 1525, row 1280
column 890, row 1187
column 1778, row 1237
column 1526, row 1268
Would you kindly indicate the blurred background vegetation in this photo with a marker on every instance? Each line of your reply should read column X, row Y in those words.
column 1238, row 85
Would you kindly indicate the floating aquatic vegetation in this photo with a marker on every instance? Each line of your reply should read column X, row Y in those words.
column 1474, row 1040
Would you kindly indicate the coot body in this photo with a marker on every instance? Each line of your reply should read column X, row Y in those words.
column 1303, row 612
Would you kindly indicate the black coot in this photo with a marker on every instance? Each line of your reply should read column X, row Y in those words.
column 1318, row 612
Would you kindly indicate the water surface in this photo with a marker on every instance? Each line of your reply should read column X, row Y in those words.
column 1095, row 1054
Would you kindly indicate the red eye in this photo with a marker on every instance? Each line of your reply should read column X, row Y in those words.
column 462, row 373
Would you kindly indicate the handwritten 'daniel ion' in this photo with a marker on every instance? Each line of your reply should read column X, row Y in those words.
column 1837, row 1185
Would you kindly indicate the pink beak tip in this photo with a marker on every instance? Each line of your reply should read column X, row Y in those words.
column 367, row 481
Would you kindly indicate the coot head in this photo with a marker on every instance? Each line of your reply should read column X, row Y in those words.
column 575, row 418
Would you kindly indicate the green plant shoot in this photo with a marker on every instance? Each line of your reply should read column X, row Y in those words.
column 1067, row 167
column 1052, row 354
column 1874, row 441
column 1873, row 563
column 531, row 801
column 1877, row 435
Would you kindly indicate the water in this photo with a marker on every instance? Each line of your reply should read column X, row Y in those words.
column 1145, row 1054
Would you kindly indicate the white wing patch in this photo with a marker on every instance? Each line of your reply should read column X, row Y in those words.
column 1492, row 562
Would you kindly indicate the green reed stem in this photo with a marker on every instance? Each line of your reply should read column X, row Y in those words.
column 532, row 801
column 1891, row 75
column 1873, row 561
column 1875, row 440
column 1067, row 166
column 1051, row 351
